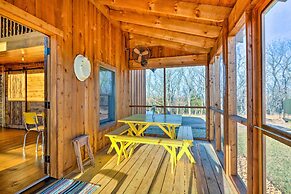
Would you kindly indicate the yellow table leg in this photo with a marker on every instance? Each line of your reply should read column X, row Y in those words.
column 172, row 152
column 185, row 149
column 133, row 128
column 120, row 153
column 165, row 130
column 142, row 129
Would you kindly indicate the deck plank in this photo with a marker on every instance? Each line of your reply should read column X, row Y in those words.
column 201, row 180
column 132, row 172
column 152, row 171
column 141, row 172
column 212, row 184
column 111, row 181
column 191, row 182
column 168, row 180
column 159, row 181
column 217, row 169
column 179, row 185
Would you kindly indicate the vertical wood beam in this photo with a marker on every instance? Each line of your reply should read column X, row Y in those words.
column 207, row 94
column 25, row 97
column 165, row 92
column 225, row 104
column 3, row 82
column 55, row 136
column 255, row 177
column 232, row 100
column 211, row 103
column 217, row 104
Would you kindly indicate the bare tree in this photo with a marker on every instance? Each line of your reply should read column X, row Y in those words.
column 278, row 75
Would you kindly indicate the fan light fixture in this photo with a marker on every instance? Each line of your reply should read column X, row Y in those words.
column 82, row 67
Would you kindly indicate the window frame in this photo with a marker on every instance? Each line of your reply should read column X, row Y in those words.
column 108, row 121
column 271, row 128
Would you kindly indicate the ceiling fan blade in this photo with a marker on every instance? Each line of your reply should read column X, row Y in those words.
column 139, row 58
column 136, row 51
column 146, row 52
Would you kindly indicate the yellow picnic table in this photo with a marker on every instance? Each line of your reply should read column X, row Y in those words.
column 139, row 123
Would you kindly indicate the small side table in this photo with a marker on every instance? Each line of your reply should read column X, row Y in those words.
column 78, row 142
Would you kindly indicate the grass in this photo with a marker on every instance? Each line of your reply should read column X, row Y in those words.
column 278, row 160
column 278, row 164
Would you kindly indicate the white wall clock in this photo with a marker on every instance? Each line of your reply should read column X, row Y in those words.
column 82, row 67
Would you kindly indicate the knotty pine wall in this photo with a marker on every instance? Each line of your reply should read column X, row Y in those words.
column 87, row 32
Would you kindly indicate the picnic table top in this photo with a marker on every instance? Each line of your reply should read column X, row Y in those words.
column 153, row 119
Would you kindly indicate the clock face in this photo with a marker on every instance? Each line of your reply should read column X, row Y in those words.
column 82, row 67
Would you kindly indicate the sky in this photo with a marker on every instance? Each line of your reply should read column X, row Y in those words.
column 278, row 22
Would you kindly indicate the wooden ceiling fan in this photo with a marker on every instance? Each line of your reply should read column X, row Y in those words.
column 141, row 55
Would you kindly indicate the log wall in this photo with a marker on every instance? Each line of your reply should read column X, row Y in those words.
column 75, row 110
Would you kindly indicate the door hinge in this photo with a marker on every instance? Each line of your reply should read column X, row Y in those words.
column 47, row 51
column 47, row 159
column 47, row 105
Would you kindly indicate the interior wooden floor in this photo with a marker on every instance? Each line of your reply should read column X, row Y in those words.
column 18, row 170
column 149, row 171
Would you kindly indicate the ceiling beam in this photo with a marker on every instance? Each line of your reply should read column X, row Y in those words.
column 26, row 55
column 139, row 40
column 217, row 49
column 233, row 24
column 105, row 11
column 172, row 8
column 27, row 40
column 166, row 23
column 169, row 35
column 236, row 18
column 180, row 61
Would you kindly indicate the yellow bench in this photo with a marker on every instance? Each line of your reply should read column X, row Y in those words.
column 119, row 131
column 122, row 142
column 185, row 133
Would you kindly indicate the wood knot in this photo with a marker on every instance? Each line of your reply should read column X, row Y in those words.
column 151, row 6
column 176, row 7
column 157, row 21
column 197, row 13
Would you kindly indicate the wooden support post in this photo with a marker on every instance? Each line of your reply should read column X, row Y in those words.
column 255, row 177
column 211, row 95
column 207, row 94
column 225, row 104
column 232, row 98
column 217, row 104
column 165, row 92
column 25, row 81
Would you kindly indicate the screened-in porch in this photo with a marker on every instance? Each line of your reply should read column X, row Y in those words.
column 159, row 96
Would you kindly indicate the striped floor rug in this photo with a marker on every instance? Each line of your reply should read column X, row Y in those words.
column 69, row 186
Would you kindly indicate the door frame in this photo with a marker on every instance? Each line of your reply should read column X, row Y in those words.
column 55, row 36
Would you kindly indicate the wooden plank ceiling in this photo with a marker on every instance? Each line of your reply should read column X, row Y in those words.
column 191, row 26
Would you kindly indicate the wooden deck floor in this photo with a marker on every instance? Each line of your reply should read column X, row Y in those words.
column 149, row 171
